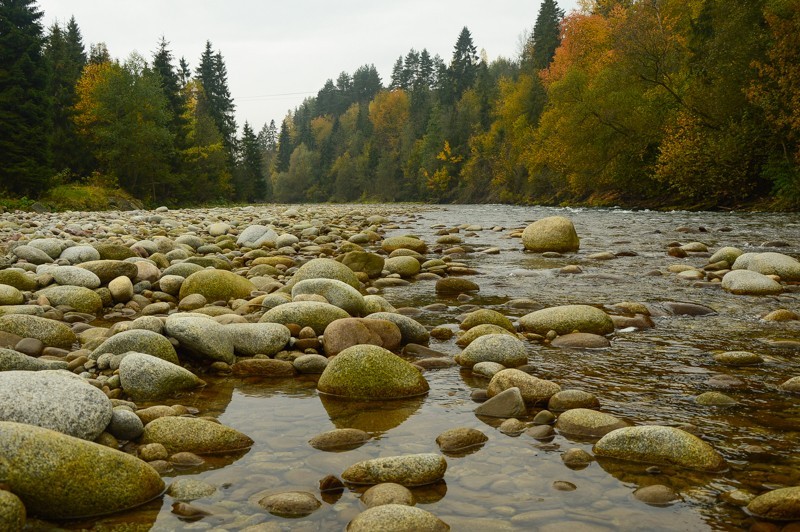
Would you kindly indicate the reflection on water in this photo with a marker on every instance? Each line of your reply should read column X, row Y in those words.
column 646, row 376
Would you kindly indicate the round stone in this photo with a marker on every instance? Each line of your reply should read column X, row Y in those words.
column 738, row 358
column 566, row 319
column 656, row 495
column 189, row 489
column 781, row 504
column 387, row 493
column 312, row 314
column 568, row 399
column 503, row 349
column 588, row 423
column 195, row 435
column 406, row 470
column 459, row 439
column 554, row 233
column 147, row 378
column 290, row 504
column 396, row 518
column 339, row 439
column 217, row 285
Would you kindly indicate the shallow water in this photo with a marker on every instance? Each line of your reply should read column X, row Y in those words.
column 647, row 376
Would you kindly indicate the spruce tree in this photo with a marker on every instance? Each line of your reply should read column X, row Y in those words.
column 213, row 76
column 285, row 147
column 464, row 65
column 24, row 102
column 249, row 183
column 546, row 36
column 171, row 86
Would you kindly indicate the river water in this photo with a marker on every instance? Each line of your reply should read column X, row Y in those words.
column 646, row 376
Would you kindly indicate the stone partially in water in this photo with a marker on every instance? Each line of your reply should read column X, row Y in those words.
column 347, row 332
column 588, row 423
column 480, row 330
column 715, row 399
column 195, row 435
column 404, row 242
column 61, row 477
column 656, row 495
column 566, row 319
column 660, row 445
column 501, row 348
column 339, row 439
column 770, row 263
column 554, row 233
column 780, row 505
column 568, row 399
column 314, row 314
column 459, row 439
column 484, row 317
column 508, row 403
column 290, row 504
column 216, row 285
column 396, row 518
column 791, row 385
column 371, row 372
column 738, row 358
column 581, row 341
column 746, row 282
column 189, row 489
column 387, row 493
column 406, row 470
column 533, row 390
column 12, row 512
column 456, row 285
column 411, row 331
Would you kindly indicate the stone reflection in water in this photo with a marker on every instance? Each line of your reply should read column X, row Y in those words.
column 374, row 417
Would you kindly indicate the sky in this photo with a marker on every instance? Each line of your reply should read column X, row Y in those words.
column 278, row 53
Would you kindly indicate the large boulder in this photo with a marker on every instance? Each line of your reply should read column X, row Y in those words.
column 250, row 339
column 324, row 269
column 217, row 285
column 406, row 470
column 655, row 444
column 587, row 423
column 501, row 348
column 361, row 261
column 202, row 335
column 314, row 314
column 51, row 332
column 371, row 372
column 147, row 378
column 79, row 298
column 347, row 332
column 18, row 279
column 533, row 389
column 770, row 263
column 11, row 360
column 566, row 319
column 337, row 293
column 74, row 276
column 62, row 477
column 554, row 233
column 139, row 341
column 748, row 282
column 57, row 400
column 396, row 518
column 194, row 435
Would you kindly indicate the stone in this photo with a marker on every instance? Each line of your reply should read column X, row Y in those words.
column 32, row 254
column 201, row 335
column 480, row 330
column 396, row 518
column 576, row 458
column 460, row 439
column 250, row 339
column 125, row 424
column 79, row 298
column 325, row 269
column 312, row 314
column 569, row 399
column 660, row 445
column 411, row 331
column 791, row 385
column 404, row 242
column 738, row 358
column 487, row 369
column 770, row 263
column 781, row 315
column 113, row 251
column 508, row 403
column 190, row 489
column 56, row 400
column 336, row 293
column 61, row 477
column 18, row 279
column 10, row 295
column 403, row 266
column 107, row 270
column 406, row 470
column 782, row 504
column 584, row 422
column 290, row 504
column 361, row 261
column 194, row 435
column 147, row 378
column 503, row 349
column 715, row 399
column 656, row 495
column 12, row 512
column 347, row 332
column 566, row 319
column 554, row 233
column 455, row 285
column 371, row 372
column 139, row 341
column 581, row 340
column 263, row 367
column 80, row 253
column 487, row 316
column 387, row 493
column 339, row 439
column 121, row 289
column 746, row 282
column 11, row 360
column 728, row 254
column 217, row 285
column 310, row 364
column 74, row 276
column 533, row 390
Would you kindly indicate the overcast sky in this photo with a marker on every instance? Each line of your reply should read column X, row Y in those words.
column 279, row 53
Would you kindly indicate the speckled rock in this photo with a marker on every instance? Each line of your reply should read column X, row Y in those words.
column 310, row 364
column 250, row 339
column 770, row 263
column 481, row 330
column 387, row 493
column 566, row 319
column 746, row 282
column 57, row 400
column 487, row 369
column 217, row 285
column 256, row 236
column 107, row 270
column 74, row 276
column 14, row 360
column 371, row 372
column 411, row 331
column 588, row 423
column 533, row 390
column 738, row 358
column 554, row 233
column 361, row 261
column 508, row 403
column 396, row 518
column 660, row 445
column 347, row 332
column 568, row 399
column 581, row 340
column 121, row 289
column 194, row 435
column 406, row 470
column 312, row 314
column 728, row 254
column 339, row 439
column 147, row 378
column 336, row 292
column 60, row 477
column 51, row 332
column 486, row 316
column 404, row 266
column 456, row 285
column 18, row 279
column 125, row 424
column 78, row 254
column 32, row 254
column 10, row 295
column 376, row 303
column 782, row 504
column 501, row 348
column 459, row 439
column 139, row 341
column 12, row 512
column 110, row 251
column 656, row 495
column 290, row 504
column 324, row 269
column 715, row 399
column 791, row 385
column 781, row 314
column 202, row 335
column 79, row 298
column 190, row 489
column 404, row 242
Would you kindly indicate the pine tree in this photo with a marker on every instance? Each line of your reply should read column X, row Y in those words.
column 249, row 183
column 399, row 80
column 366, row 83
column 24, row 103
column 464, row 65
column 170, row 85
column 285, row 147
column 213, row 76
column 546, row 36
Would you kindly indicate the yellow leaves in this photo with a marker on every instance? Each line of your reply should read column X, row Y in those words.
column 444, row 176
column 447, row 156
column 321, row 128
column 88, row 106
column 389, row 113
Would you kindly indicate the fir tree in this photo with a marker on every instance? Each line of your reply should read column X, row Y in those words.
column 546, row 36
column 249, row 183
column 285, row 147
column 213, row 76
column 464, row 65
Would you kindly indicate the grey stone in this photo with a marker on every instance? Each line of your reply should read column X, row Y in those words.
column 140, row 341
column 11, row 360
column 202, row 335
column 508, row 403
column 125, row 425
column 406, row 470
column 147, row 378
column 412, row 331
column 74, row 276
column 501, row 348
column 251, row 339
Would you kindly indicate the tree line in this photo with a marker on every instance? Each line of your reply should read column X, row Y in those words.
column 633, row 102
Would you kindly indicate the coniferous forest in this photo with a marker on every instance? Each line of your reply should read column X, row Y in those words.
column 649, row 103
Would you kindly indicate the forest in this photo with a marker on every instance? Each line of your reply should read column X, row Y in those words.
column 637, row 103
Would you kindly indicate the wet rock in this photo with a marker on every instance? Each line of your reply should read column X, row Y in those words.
column 660, row 445
column 290, row 504
column 554, row 233
column 403, row 266
column 588, row 423
column 508, row 403
column 481, row 330
column 459, row 439
column 656, row 495
column 533, row 389
column 714, row 399
column 746, row 282
column 186, row 459
column 217, row 285
column 678, row 308
column 770, row 263
column 455, row 285
column 569, row 399
column 195, row 435
column 190, row 489
column 42, row 467
column 325, row 269
column 335, row 292
column 202, row 335
column 147, row 378
column 781, row 315
column 361, row 261
column 541, row 432
column 791, row 385
column 56, row 400
column 566, row 319
column 263, row 367
column 339, row 439
column 139, row 341
column 396, row 518
column 387, row 493
column 310, row 364
column 371, row 372
column 411, row 331
column 312, row 314
column 347, row 332
column 11, row 359
column 486, row 316
column 780, row 505
column 512, row 427
column 406, row 470
column 544, row 417
column 12, row 512
column 404, row 242
column 487, row 369
column 576, row 458
column 125, row 425
column 738, row 358
column 503, row 349
column 581, row 341
column 250, row 339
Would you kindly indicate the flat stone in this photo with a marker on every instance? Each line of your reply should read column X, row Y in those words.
column 290, row 504
column 14, row 360
column 339, row 439
column 406, row 470
column 387, row 493
column 588, row 423
column 195, row 435
column 533, row 389
column 508, row 403
column 567, row 319
column 459, row 439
